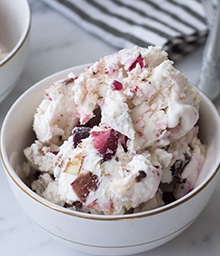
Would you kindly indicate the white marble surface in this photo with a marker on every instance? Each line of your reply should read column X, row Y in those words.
column 57, row 43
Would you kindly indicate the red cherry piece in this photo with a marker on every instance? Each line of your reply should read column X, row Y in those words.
column 80, row 133
column 84, row 184
column 139, row 61
column 106, row 142
column 116, row 85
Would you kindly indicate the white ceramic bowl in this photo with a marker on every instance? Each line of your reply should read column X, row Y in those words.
column 105, row 235
column 15, row 20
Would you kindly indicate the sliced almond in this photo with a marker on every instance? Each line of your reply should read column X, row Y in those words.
column 74, row 166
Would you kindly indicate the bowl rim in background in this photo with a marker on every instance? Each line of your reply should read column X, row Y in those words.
column 17, row 180
column 22, row 38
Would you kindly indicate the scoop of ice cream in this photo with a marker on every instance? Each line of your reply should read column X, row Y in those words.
column 56, row 115
column 119, row 136
column 99, row 173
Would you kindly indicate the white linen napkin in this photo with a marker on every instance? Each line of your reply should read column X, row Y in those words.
column 177, row 25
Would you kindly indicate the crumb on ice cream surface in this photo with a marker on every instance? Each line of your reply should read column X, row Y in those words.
column 120, row 137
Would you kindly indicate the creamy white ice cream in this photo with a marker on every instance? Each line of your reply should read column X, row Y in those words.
column 120, row 137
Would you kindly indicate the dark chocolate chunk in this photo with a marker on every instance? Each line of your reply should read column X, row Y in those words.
column 178, row 167
column 140, row 175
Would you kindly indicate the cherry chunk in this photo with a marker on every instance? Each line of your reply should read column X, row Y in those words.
column 139, row 60
column 105, row 142
column 84, row 184
column 80, row 133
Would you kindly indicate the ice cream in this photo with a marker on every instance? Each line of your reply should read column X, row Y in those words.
column 120, row 137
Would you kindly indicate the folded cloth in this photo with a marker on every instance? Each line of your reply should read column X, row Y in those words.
column 177, row 25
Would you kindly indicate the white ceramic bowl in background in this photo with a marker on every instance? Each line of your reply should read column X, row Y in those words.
column 104, row 235
column 15, row 20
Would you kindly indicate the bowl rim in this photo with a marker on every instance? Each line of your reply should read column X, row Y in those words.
column 22, row 38
column 27, row 190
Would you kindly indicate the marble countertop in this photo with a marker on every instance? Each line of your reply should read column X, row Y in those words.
column 56, row 44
